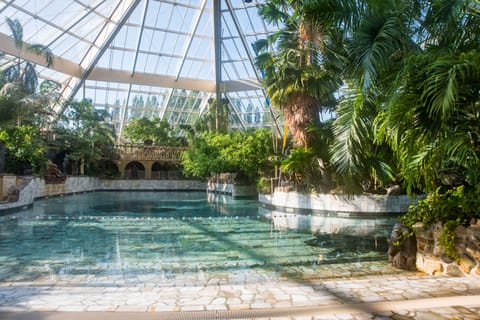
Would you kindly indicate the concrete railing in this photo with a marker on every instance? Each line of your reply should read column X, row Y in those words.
column 341, row 205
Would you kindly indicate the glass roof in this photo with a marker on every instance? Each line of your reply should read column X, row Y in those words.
column 147, row 58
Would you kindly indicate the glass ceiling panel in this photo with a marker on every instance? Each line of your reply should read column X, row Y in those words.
column 159, row 61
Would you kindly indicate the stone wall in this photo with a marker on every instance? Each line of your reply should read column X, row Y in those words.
column 6, row 182
column 34, row 188
column 27, row 191
column 342, row 205
column 432, row 259
column 234, row 190
column 232, row 184
column 152, row 185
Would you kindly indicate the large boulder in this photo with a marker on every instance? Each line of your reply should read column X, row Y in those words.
column 402, row 248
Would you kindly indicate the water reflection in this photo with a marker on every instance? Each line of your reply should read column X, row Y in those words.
column 171, row 235
column 330, row 223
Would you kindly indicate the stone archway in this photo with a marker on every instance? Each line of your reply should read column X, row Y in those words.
column 165, row 171
column 134, row 170
column 159, row 171
column 109, row 169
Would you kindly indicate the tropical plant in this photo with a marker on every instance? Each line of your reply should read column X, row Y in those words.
column 25, row 149
column 301, row 164
column 215, row 120
column 23, row 105
column 451, row 207
column 374, row 41
column 154, row 130
column 297, row 77
column 20, row 78
column 217, row 117
column 408, row 112
column 86, row 135
column 361, row 161
column 242, row 152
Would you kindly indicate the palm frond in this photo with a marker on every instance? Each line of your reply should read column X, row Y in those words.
column 10, row 73
column 40, row 49
column 351, row 131
column 17, row 32
column 272, row 14
column 373, row 46
column 339, row 13
column 448, row 77
column 29, row 78
column 474, row 8
column 460, row 148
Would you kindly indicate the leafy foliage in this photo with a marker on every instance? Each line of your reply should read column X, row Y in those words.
column 24, row 111
column 25, row 148
column 244, row 152
column 22, row 73
column 447, row 239
column 459, row 205
column 297, row 78
column 155, row 130
column 85, row 134
column 452, row 207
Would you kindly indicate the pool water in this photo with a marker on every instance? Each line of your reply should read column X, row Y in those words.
column 127, row 237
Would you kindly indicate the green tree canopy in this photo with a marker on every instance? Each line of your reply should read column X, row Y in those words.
column 245, row 152
column 85, row 134
column 155, row 130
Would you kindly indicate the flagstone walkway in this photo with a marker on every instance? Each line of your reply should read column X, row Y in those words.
column 244, row 295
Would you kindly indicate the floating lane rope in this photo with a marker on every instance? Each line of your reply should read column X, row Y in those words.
column 127, row 218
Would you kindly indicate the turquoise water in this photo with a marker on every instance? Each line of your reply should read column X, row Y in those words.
column 167, row 234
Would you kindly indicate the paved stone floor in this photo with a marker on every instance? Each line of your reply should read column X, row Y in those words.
column 248, row 294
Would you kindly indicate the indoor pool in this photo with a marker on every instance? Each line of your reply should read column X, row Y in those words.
column 133, row 237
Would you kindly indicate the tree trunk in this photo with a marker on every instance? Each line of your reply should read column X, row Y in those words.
column 2, row 158
column 301, row 112
column 82, row 166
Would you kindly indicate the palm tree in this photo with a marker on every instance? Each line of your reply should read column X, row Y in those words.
column 18, row 85
column 412, row 70
column 297, row 79
column 360, row 161
column 433, row 119
column 86, row 134
column 19, row 81
column 362, row 44
column 21, row 74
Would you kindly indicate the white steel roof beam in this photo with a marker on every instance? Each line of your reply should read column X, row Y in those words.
column 112, row 26
column 217, row 31
column 250, row 56
column 7, row 4
column 166, row 102
column 204, row 104
column 124, row 114
column 75, row 23
column 194, row 31
column 243, row 39
column 41, row 19
column 139, row 40
column 234, row 108
column 102, row 74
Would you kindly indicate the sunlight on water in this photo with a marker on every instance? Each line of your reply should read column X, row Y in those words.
column 168, row 234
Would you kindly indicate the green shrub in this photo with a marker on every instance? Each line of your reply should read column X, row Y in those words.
column 244, row 152
column 447, row 239
column 25, row 149
column 452, row 207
